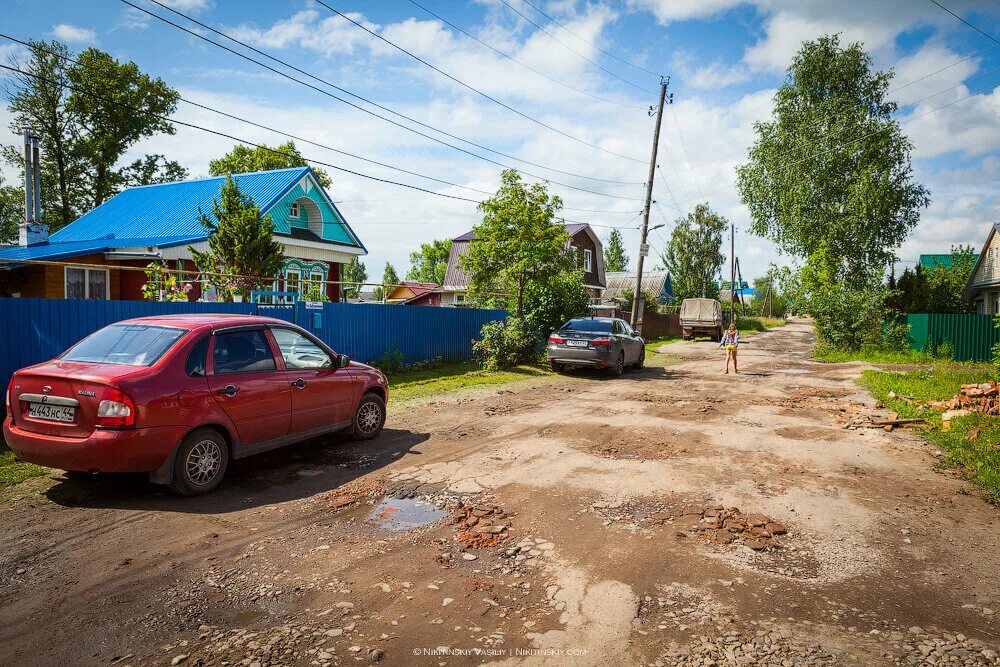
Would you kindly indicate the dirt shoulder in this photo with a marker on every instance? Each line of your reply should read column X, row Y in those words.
column 672, row 516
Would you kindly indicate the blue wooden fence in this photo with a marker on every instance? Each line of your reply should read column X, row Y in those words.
column 34, row 330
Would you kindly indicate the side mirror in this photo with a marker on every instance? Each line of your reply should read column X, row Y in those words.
column 343, row 360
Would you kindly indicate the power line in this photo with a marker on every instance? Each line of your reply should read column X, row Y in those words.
column 567, row 46
column 981, row 32
column 523, row 64
column 327, row 93
column 231, row 137
column 585, row 41
column 485, row 95
column 663, row 179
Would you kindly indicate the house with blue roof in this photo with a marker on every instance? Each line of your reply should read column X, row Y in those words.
column 87, row 259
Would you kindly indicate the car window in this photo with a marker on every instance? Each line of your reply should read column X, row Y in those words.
column 242, row 352
column 195, row 365
column 594, row 326
column 626, row 329
column 125, row 344
column 619, row 329
column 299, row 352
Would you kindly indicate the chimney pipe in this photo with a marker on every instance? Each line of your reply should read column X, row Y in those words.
column 36, row 166
column 29, row 180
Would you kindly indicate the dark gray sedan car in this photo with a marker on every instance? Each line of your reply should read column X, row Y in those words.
column 604, row 342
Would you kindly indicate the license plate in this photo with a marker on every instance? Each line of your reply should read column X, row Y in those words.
column 54, row 413
column 576, row 343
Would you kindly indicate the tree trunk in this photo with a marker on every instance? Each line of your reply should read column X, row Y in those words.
column 520, row 297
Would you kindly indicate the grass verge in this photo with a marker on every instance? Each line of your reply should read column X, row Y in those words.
column 451, row 377
column 14, row 472
column 876, row 356
column 972, row 443
column 756, row 324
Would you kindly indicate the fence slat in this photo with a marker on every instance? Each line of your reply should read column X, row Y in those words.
column 35, row 330
column 971, row 337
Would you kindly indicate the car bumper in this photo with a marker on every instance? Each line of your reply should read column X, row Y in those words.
column 578, row 356
column 138, row 450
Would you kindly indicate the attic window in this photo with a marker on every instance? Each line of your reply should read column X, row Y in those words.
column 588, row 260
column 294, row 212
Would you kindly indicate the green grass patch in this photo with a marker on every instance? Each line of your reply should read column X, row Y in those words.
column 14, row 472
column 453, row 376
column 876, row 356
column 977, row 458
column 758, row 324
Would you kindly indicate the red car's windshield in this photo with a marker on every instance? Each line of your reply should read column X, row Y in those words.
column 125, row 344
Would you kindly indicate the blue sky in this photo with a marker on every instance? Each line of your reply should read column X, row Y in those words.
column 725, row 59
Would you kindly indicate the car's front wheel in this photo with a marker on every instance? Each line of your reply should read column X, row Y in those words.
column 369, row 418
column 642, row 359
column 200, row 463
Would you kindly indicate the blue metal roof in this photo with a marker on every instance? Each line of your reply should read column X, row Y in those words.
column 54, row 251
column 171, row 209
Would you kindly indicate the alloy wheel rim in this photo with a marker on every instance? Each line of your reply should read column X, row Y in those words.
column 368, row 417
column 204, row 462
column 621, row 362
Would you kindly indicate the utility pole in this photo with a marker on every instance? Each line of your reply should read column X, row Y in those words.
column 643, row 246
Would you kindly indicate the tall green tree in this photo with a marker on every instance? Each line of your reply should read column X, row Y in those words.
column 938, row 288
column 88, row 114
column 389, row 280
column 615, row 257
column 519, row 243
column 832, row 165
column 240, row 243
column 354, row 272
column 121, row 106
column 37, row 100
column 430, row 262
column 11, row 212
column 244, row 159
column 694, row 255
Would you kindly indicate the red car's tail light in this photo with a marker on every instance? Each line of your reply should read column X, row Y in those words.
column 116, row 410
column 554, row 338
column 6, row 401
column 599, row 342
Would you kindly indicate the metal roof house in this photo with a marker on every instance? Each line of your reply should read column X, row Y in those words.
column 582, row 239
column 983, row 288
column 621, row 284
column 160, row 222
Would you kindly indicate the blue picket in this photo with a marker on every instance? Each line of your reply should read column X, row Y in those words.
column 34, row 330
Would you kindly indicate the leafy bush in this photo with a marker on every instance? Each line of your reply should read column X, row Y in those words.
column 944, row 350
column 505, row 344
column 855, row 319
column 549, row 304
column 390, row 363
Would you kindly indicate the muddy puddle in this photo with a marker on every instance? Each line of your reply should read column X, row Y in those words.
column 399, row 514
column 792, row 371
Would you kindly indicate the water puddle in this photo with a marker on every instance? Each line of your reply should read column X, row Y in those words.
column 397, row 514
column 245, row 618
column 793, row 371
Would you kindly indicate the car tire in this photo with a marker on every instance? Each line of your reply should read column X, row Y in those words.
column 619, row 366
column 369, row 418
column 641, row 361
column 200, row 463
column 556, row 367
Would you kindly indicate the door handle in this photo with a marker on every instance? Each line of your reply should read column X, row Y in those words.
column 299, row 384
column 229, row 390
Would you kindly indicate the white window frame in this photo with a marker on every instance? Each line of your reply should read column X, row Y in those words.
column 316, row 278
column 294, row 210
column 459, row 299
column 86, row 282
column 588, row 260
column 298, row 280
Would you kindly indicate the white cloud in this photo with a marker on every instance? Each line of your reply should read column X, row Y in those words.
column 71, row 34
column 309, row 30
column 711, row 76
column 667, row 11
column 911, row 82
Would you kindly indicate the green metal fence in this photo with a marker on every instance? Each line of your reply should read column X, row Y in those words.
column 971, row 337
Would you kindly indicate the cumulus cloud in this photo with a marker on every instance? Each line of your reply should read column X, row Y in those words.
column 714, row 75
column 308, row 29
column 71, row 34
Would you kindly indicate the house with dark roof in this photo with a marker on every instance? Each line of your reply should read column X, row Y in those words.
column 983, row 288
column 88, row 258
column 411, row 292
column 621, row 285
column 582, row 240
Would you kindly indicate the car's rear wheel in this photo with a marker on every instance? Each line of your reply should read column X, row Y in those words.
column 200, row 463
column 369, row 418
column 619, row 366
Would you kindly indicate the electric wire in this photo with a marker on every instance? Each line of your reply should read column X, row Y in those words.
column 981, row 32
column 472, row 88
column 327, row 93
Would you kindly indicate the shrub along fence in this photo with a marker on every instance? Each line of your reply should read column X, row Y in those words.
column 33, row 330
column 971, row 337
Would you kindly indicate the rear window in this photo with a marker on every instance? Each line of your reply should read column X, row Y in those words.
column 596, row 326
column 125, row 344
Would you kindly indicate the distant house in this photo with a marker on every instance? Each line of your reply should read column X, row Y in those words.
column 157, row 223
column 744, row 293
column 621, row 285
column 983, row 288
column 944, row 261
column 583, row 240
column 409, row 291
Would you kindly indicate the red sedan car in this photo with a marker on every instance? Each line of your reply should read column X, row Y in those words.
column 178, row 396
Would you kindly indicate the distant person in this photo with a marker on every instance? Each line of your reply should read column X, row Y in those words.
column 731, row 341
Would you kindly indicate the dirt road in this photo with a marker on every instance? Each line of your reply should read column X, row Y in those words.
column 671, row 517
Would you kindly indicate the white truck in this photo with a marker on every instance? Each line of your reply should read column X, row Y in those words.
column 701, row 317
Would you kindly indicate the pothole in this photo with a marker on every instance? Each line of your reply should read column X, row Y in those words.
column 399, row 514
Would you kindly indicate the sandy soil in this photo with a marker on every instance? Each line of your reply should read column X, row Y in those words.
column 672, row 516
